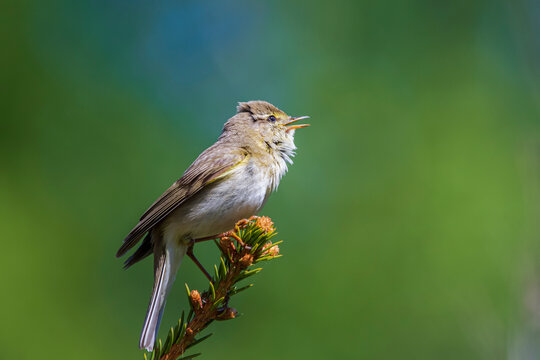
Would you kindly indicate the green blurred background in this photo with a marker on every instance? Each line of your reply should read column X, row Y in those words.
column 410, row 217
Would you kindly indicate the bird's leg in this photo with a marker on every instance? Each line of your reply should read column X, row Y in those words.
column 206, row 238
column 199, row 265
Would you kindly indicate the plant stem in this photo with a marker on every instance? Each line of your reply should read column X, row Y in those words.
column 208, row 313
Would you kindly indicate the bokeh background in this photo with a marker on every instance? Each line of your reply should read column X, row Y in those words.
column 410, row 217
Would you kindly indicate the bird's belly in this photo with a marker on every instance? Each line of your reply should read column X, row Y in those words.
column 217, row 207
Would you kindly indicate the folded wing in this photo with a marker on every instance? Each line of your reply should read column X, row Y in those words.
column 209, row 167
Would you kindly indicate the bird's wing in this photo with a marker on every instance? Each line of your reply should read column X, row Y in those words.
column 212, row 165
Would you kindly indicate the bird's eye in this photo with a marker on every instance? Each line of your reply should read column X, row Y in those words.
column 272, row 118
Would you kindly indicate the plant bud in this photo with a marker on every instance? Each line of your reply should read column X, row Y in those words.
column 270, row 250
column 227, row 244
column 265, row 224
column 246, row 260
column 229, row 313
column 195, row 299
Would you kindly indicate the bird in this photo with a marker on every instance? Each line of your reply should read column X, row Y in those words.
column 229, row 181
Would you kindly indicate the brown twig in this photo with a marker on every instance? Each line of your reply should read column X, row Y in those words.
column 214, row 305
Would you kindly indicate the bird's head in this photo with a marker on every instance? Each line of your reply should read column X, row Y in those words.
column 261, row 124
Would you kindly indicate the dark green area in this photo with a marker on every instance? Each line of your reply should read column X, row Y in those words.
column 409, row 217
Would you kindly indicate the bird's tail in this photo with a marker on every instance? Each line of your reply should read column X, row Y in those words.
column 166, row 263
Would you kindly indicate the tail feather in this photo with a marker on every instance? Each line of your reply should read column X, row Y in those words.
column 145, row 249
column 166, row 264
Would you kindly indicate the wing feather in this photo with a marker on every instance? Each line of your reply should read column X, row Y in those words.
column 212, row 165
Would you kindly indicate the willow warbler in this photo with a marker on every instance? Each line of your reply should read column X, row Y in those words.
column 229, row 181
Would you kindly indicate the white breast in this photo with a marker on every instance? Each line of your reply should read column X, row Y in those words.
column 219, row 206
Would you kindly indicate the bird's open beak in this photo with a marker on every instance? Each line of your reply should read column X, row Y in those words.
column 293, row 120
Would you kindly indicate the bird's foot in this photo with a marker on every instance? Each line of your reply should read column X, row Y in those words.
column 244, row 222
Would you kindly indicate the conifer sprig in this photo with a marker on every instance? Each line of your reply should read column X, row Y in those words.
column 248, row 244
